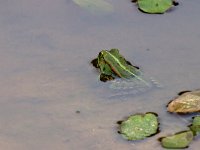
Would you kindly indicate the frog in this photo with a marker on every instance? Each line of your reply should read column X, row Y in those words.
column 124, row 77
column 112, row 64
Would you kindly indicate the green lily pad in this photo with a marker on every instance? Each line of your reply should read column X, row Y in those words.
column 195, row 126
column 95, row 6
column 177, row 141
column 155, row 6
column 139, row 126
column 186, row 102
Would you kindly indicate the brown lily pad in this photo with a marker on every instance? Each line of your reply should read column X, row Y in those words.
column 186, row 102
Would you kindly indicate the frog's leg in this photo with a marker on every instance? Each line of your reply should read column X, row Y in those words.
column 94, row 62
column 175, row 3
column 134, row 1
column 129, row 63
column 106, row 72
column 104, row 77
column 114, row 51
column 105, row 68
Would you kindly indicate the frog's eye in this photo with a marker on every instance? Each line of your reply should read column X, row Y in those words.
column 101, row 54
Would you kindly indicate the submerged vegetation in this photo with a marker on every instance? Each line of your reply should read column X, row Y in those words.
column 95, row 6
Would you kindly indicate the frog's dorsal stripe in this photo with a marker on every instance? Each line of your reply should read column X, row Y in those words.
column 124, row 68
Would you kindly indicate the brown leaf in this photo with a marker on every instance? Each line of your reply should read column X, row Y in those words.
column 188, row 102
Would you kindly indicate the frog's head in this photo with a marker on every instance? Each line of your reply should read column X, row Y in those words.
column 102, row 54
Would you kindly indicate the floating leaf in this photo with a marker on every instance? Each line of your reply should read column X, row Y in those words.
column 195, row 127
column 186, row 102
column 95, row 6
column 154, row 6
column 139, row 126
column 179, row 140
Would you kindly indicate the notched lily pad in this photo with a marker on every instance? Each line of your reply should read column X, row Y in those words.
column 155, row 6
column 178, row 140
column 186, row 102
column 195, row 126
column 95, row 6
column 139, row 126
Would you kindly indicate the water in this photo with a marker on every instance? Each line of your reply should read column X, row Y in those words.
column 46, row 76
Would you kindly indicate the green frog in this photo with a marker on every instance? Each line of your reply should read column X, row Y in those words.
column 123, row 75
column 112, row 64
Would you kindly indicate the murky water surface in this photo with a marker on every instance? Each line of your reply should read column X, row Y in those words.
column 51, row 97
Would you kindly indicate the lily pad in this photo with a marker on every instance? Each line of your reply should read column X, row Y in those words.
column 186, row 102
column 95, row 6
column 155, row 6
column 139, row 126
column 195, row 126
column 177, row 141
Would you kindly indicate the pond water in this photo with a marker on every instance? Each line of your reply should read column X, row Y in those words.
column 51, row 97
